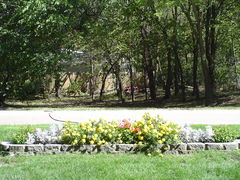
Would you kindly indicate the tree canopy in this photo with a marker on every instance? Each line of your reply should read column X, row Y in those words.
column 171, row 44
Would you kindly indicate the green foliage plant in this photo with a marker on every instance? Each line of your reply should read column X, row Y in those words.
column 21, row 136
column 224, row 134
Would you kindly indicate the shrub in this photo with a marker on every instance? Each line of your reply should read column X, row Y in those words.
column 45, row 136
column 224, row 134
column 189, row 135
column 22, row 135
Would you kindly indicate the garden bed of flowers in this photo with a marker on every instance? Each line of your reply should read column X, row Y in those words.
column 151, row 135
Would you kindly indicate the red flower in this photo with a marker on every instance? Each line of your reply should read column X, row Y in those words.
column 135, row 130
column 121, row 126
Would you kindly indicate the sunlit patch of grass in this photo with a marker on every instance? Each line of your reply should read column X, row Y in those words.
column 203, row 165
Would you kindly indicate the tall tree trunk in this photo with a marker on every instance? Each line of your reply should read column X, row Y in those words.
column 195, row 67
column 131, row 81
column 207, row 78
column 148, row 63
column 145, row 85
column 91, row 84
column 210, row 42
column 169, row 75
column 104, row 82
column 120, row 89
column 57, row 86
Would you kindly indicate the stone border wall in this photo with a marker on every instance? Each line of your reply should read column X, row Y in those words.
column 184, row 148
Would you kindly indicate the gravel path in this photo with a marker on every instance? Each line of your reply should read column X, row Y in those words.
column 177, row 116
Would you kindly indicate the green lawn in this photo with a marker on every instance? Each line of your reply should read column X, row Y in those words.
column 231, row 126
column 202, row 165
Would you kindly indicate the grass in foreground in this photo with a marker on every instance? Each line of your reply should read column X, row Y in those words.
column 202, row 165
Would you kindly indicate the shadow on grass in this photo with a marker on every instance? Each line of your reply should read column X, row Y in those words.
column 86, row 102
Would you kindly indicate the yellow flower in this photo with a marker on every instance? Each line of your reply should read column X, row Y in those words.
column 151, row 126
column 75, row 142
column 99, row 143
column 149, row 155
column 140, row 143
column 140, row 138
column 84, row 136
column 145, row 131
column 83, row 140
column 59, row 137
column 163, row 139
column 175, row 137
column 160, row 142
column 110, row 136
column 165, row 148
column 91, row 142
column 160, row 155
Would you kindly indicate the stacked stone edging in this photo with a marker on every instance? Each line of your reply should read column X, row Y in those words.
column 183, row 148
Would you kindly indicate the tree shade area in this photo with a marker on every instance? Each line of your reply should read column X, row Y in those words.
column 179, row 47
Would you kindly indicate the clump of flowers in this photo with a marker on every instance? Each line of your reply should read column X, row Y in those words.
column 189, row 135
column 146, row 133
column 151, row 131
column 92, row 132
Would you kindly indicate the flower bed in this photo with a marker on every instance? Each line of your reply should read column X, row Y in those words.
column 151, row 135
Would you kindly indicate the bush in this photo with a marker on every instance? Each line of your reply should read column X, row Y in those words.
column 22, row 135
column 189, row 135
column 45, row 136
column 224, row 134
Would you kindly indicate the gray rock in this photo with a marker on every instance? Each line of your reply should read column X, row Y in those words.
column 4, row 146
column 52, row 148
column 17, row 148
column 34, row 148
column 230, row 146
column 92, row 149
column 238, row 142
column 214, row 146
column 163, row 147
column 125, row 147
column 66, row 148
column 178, row 147
column 108, row 148
column 196, row 146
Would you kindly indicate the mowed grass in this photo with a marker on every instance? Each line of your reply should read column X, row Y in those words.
column 202, row 165
column 235, row 127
